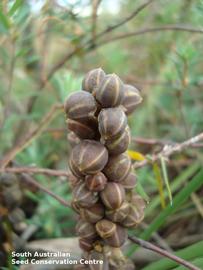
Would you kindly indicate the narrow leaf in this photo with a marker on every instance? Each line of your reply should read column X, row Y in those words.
column 4, row 21
column 165, row 175
column 159, row 180
column 179, row 199
column 15, row 6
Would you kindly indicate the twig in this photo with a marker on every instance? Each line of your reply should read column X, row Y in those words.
column 35, row 170
column 30, row 136
column 151, row 30
column 169, row 150
column 87, row 46
column 95, row 6
column 31, row 180
column 162, row 252
column 125, row 20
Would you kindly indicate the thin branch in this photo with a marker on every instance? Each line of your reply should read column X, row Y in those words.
column 27, row 178
column 170, row 149
column 35, row 170
column 30, row 136
column 95, row 6
column 87, row 46
column 125, row 20
column 163, row 252
column 180, row 28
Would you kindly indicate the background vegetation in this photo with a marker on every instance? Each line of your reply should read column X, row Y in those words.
column 46, row 47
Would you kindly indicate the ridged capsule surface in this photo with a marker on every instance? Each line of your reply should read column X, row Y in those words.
column 93, row 214
column 112, row 123
column 132, row 98
column 80, row 105
column 113, row 195
column 117, row 167
column 92, row 79
column 83, row 197
column 96, row 182
column 88, row 157
column 119, row 145
column 110, row 91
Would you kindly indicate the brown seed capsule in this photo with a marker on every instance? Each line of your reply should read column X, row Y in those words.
column 81, row 129
column 86, row 244
column 73, row 139
column 83, row 197
column 130, row 181
column 97, row 256
column 112, row 123
column 110, row 91
column 119, row 145
column 96, row 182
column 105, row 228
column 92, row 79
column 117, row 168
column 127, row 265
column 131, row 99
column 138, row 201
column 93, row 213
column 74, row 169
column 119, row 214
column 80, row 105
column 74, row 181
column 113, row 195
column 118, row 238
column 88, row 157
column 86, row 230
column 134, row 217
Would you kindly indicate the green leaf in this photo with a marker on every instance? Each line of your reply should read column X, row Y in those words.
column 165, row 175
column 189, row 253
column 177, row 182
column 15, row 6
column 158, row 176
column 4, row 21
column 179, row 199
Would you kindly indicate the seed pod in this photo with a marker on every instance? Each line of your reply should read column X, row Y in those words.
column 130, row 181
column 118, row 238
column 88, row 157
column 134, row 217
column 127, row 265
column 138, row 201
column 131, row 99
column 86, row 244
column 74, row 169
column 82, row 130
column 74, row 181
column 112, row 123
column 94, row 255
column 105, row 228
column 117, row 168
column 96, row 182
column 110, row 91
column 92, row 79
column 113, row 195
column 80, row 105
column 119, row 214
column 86, row 230
column 119, row 145
column 83, row 197
column 73, row 139
column 93, row 213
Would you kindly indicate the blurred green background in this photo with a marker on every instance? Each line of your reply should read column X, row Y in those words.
column 46, row 47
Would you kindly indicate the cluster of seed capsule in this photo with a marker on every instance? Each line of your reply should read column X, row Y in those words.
column 102, row 177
